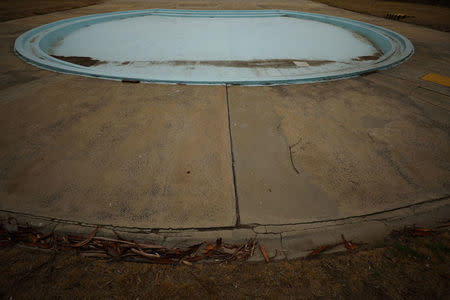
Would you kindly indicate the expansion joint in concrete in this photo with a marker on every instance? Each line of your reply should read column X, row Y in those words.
column 238, row 218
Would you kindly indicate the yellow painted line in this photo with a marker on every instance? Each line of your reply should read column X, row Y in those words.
column 436, row 78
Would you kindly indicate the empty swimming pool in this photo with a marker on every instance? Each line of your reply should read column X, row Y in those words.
column 213, row 47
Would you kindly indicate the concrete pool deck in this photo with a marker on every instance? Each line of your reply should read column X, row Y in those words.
column 359, row 156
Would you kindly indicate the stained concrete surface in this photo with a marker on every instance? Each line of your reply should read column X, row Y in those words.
column 159, row 156
column 108, row 152
column 358, row 147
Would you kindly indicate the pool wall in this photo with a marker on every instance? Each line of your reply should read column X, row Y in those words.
column 33, row 46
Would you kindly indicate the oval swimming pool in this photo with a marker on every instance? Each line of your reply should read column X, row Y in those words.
column 213, row 47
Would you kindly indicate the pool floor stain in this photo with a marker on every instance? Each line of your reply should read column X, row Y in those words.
column 81, row 60
column 255, row 63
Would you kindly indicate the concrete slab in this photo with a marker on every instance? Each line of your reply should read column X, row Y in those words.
column 335, row 149
column 115, row 153
column 361, row 145
column 269, row 188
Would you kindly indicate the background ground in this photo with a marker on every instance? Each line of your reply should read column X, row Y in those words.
column 431, row 13
column 418, row 11
column 403, row 267
column 14, row 9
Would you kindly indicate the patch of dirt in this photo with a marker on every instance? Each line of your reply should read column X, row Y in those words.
column 404, row 266
column 81, row 60
column 420, row 12
column 15, row 9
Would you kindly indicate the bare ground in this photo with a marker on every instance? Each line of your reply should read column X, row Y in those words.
column 434, row 16
column 431, row 13
column 403, row 267
column 15, row 9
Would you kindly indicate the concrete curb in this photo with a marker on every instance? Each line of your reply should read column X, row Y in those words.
column 281, row 241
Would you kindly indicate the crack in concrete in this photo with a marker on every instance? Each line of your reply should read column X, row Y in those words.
column 388, row 156
column 290, row 156
column 238, row 217
column 292, row 161
column 434, row 91
column 252, row 227
column 446, row 197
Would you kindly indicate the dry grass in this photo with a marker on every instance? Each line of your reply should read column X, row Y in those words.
column 404, row 267
column 14, row 9
column 437, row 17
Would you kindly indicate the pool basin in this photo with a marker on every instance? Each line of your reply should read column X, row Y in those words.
column 263, row 47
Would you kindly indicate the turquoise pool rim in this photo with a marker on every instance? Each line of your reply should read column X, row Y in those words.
column 33, row 44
